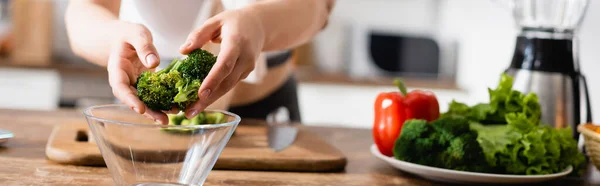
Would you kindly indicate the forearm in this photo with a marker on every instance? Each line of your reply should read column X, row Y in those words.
column 289, row 23
column 91, row 27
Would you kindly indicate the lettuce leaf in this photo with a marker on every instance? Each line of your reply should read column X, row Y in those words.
column 526, row 147
column 511, row 136
column 503, row 100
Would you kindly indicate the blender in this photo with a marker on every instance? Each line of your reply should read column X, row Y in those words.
column 546, row 60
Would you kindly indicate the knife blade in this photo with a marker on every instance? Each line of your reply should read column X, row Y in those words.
column 280, row 133
column 5, row 135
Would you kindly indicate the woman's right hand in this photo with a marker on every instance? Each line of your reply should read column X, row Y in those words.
column 131, row 54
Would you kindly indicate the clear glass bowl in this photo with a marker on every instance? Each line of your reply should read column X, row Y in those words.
column 139, row 152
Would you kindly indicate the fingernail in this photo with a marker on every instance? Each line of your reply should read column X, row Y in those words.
column 185, row 45
column 160, row 121
column 205, row 94
column 151, row 60
column 136, row 109
column 192, row 113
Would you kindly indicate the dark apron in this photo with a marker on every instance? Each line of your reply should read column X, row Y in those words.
column 285, row 96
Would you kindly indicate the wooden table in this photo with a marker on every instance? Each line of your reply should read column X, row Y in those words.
column 22, row 160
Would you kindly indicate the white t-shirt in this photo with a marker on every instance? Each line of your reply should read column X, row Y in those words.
column 171, row 21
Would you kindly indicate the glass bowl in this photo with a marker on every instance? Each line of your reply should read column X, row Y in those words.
column 137, row 151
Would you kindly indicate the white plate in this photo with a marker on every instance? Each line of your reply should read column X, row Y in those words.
column 447, row 175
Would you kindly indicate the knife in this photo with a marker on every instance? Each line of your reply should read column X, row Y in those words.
column 280, row 133
column 5, row 135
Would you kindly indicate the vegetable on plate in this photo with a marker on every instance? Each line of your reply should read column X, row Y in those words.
column 447, row 142
column 504, row 136
column 392, row 109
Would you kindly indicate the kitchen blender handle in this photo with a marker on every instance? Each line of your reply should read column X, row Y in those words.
column 587, row 99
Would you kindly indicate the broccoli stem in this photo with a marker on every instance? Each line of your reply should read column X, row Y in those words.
column 176, row 119
column 186, row 90
column 214, row 118
column 198, row 120
column 173, row 65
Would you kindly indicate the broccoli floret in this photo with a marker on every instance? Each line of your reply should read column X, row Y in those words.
column 157, row 89
column 197, row 64
column 464, row 153
column 416, row 143
column 187, row 92
column 198, row 119
column 447, row 143
column 194, row 70
column 214, row 118
column 175, row 119
column 178, row 84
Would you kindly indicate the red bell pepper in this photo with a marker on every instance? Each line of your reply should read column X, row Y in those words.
column 392, row 109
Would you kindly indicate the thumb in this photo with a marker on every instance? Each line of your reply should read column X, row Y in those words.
column 141, row 40
column 197, row 38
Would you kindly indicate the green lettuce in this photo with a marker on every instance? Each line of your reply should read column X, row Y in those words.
column 503, row 136
column 525, row 147
column 512, row 137
column 503, row 100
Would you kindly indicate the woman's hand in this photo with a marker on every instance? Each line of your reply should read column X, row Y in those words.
column 242, row 38
column 131, row 54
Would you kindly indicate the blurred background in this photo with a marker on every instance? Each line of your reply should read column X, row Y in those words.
column 456, row 48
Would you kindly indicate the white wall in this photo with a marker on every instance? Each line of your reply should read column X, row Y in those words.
column 35, row 89
column 486, row 33
column 590, row 55
column 351, row 106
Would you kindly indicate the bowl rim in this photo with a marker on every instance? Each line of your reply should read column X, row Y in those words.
column 88, row 114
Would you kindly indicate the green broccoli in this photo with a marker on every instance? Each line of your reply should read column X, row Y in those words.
column 157, row 89
column 215, row 118
column 178, row 84
column 416, row 143
column 197, row 64
column 176, row 119
column 446, row 143
column 187, row 93
column 198, row 119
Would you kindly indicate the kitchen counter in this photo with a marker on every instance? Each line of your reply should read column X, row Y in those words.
column 23, row 160
column 312, row 75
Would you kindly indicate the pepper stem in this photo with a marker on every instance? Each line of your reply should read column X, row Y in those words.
column 400, row 85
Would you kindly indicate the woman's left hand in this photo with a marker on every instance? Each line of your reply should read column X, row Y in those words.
column 242, row 38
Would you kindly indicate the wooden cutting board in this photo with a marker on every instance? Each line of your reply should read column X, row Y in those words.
column 246, row 150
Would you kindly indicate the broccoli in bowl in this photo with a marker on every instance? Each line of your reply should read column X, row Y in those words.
column 202, row 118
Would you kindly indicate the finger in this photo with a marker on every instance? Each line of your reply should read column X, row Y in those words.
column 251, row 62
column 173, row 110
column 124, row 93
column 245, row 75
column 208, row 31
column 118, row 60
column 130, row 98
column 141, row 40
column 119, row 82
column 225, row 87
column 157, row 116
